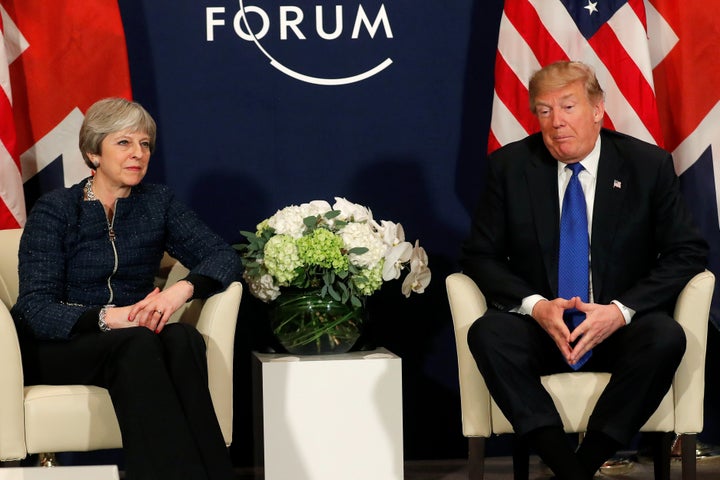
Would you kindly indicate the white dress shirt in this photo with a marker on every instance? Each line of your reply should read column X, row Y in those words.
column 588, row 180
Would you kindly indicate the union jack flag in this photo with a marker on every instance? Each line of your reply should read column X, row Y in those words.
column 655, row 61
column 59, row 57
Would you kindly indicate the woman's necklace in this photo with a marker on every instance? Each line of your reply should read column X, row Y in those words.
column 89, row 192
column 90, row 196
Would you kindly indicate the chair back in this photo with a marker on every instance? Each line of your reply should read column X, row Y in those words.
column 9, row 282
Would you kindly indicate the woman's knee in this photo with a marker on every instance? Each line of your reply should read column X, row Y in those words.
column 137, row 342
column 182, row 335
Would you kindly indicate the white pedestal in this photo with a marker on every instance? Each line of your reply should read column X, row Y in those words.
column 331, row 416
column 102, row 472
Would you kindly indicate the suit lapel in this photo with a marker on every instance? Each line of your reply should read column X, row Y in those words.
column 609, row 193
column 541, row 180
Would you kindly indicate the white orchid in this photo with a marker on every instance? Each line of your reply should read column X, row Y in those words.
column 315, row 208
column 395, row 258
column 419, row 277
column 392, row 233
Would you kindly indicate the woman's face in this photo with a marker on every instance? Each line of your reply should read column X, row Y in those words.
column 123, row 158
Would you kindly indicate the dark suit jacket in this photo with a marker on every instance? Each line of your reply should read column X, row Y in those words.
column 644, row 247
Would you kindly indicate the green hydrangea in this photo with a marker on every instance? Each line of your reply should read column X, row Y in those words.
column 369, row 280
column 281, row 258
column 324, row 249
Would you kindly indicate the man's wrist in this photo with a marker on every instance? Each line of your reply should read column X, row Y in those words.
column 627, row 313
column 528, row 304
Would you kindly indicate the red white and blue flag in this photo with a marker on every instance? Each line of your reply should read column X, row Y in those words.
column 655, row 61
column 57, row 59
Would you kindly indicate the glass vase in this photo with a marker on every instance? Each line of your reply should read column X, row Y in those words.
column 305, row 323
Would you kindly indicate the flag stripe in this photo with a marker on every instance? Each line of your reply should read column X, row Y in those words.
column 629, row 79
column 12, row 199
column 531, row 28
column 514, row 95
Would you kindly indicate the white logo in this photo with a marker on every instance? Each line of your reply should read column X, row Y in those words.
column 291, row 25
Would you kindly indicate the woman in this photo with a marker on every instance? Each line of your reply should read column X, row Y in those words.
column 88, row 312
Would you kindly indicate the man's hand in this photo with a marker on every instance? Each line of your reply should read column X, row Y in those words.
column 600, row 322
column 549, row 314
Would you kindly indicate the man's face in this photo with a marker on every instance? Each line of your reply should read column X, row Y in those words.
column 569, row 122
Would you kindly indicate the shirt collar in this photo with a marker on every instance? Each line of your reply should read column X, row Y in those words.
column 589, row 163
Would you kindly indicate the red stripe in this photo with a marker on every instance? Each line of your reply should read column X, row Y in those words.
column 493, row 143
column 513, row 94
column 639, row 8
column 628, row 78
column 7, row 219
column 527, row 22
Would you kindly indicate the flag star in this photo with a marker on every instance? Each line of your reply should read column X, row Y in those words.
column 591, row 7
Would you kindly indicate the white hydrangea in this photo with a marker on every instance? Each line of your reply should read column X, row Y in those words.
column 288, row 221
column 363, row 235
column 262, row 287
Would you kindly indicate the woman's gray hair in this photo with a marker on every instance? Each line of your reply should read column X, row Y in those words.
column 111, row 115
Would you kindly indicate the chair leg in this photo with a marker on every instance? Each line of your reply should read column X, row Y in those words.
column 661, row 447
column 47, row 459
column 476, row 458
column 521, row 459
column 688, row 443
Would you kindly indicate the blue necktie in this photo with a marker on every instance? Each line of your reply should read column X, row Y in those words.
column 573, row 273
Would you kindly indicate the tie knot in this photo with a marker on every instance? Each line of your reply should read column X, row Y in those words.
column 575, row 168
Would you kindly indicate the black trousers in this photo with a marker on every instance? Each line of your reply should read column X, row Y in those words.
column 512, row 352
column 158, row 384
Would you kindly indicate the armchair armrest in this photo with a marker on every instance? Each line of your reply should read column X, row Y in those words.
column 467, row 304
column 12, row 416
column 692, row 311
column 217, row 325
column 215, row 318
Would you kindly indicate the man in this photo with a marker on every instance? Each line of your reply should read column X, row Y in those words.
column 637, row 249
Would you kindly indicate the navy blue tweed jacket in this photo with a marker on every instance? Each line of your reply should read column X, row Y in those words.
column 68, row 265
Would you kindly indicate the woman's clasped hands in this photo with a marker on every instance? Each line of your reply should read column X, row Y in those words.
column 153, row 311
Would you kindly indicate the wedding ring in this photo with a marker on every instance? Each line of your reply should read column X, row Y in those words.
column 159, row 311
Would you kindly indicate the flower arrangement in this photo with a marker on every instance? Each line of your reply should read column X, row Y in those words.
column 340, row 251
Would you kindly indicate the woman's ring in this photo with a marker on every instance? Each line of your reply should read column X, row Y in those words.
column 159, row 311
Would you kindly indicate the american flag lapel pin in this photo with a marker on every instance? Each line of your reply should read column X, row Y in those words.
column 617, row 184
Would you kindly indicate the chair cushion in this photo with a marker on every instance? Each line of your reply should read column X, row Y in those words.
column 575, row 395
column 69, row 418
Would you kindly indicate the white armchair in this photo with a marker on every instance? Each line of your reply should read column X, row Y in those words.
column 72, row 418
column 575, row 394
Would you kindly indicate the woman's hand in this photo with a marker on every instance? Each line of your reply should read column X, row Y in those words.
column 158, row 306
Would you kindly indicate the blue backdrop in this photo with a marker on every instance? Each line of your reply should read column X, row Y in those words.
column 403, row 129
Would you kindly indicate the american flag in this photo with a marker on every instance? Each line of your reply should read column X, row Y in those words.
column 59, row 57
column 655, row 61
column 12, row 200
